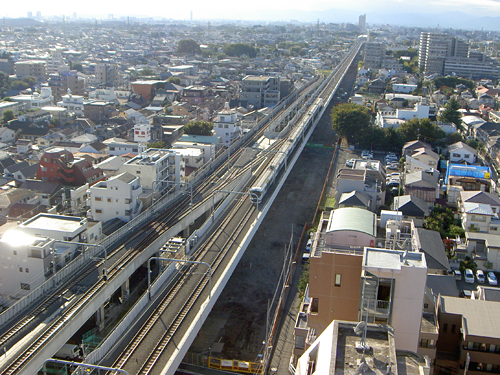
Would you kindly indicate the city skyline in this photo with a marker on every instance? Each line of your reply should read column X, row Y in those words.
column 262, row 10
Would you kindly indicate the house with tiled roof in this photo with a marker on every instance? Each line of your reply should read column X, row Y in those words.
column 462, row 153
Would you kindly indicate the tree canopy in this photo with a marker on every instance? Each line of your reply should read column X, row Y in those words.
column 350, row 121
column 450, row 113
column 239, row 49
column 174, row 80
column 199, row 128
column 8, row 115
column 188, row 46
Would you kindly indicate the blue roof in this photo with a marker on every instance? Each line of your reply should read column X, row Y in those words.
column 474, row 171
column 200, row 138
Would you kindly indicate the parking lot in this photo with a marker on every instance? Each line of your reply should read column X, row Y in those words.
column 464, row 286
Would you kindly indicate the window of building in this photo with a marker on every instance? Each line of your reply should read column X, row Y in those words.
column 98, row 199
column 315, row 305
column 424, row 343
column 426, row 305
column 127, row 200
column 445, row 328
column 15, row 252
column 127, row 212
column 97, row 211
column 456, row 155
column 27, row 270
column 25, row 286
column 453, row 328
column 111, row 149
column 338, row 277
column 109, row 200
column 20, row 269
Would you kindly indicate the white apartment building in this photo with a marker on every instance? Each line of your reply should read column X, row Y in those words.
column 36, row 100
column 401, row 277
column 55, row 62
column 154, row 165
column 73, row 103
column 119, row 146
column 117, row 197
column 142, row 132
column 29, row 252
column 25, row 261
column 107, row 95
column 227, row 126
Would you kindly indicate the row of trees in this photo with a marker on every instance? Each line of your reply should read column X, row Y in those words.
column 7, row 84
column 352, row 123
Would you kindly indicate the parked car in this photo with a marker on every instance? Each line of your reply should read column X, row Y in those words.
column 350, row 163
column 392, row 167
column 492, row 279
column 309, row 244
column 480, row 277
column 457, row 274
column 366, row 154
column 392, row 183
column 469, row 276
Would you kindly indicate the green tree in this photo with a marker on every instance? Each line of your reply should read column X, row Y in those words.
column 199, row 128
column 450, row 113
column 453, row 138
column 422, row 129
column 157, row 144
column 350, row 121
column 188, row 46
column 78, row 67
column 174, row 80
column 8, row 115
column 239, row 49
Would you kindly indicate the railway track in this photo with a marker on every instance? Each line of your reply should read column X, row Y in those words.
column 144, row 236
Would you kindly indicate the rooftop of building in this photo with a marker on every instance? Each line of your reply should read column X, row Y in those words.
column 353, row 219
column 53, row 222
column 151, row 155
column 479, row 318
column 393, row 260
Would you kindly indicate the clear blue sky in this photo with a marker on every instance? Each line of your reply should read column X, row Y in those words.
column 234, row 10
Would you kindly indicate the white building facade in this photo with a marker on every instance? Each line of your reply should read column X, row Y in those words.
column 117, row 197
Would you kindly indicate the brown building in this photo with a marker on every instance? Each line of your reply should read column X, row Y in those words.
column 60, row 83
column 31, row 69
column 468, row 329
column 99, row 111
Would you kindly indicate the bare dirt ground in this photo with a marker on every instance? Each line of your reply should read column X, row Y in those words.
column 238, row 319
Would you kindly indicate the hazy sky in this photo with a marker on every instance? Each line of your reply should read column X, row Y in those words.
column 203, row 9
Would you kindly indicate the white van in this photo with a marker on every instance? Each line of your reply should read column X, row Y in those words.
column 69, row 351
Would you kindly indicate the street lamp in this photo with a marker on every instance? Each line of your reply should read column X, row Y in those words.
column 184, row 261
column 231, row 192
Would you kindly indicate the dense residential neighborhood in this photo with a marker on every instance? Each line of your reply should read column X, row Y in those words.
column 105, row 125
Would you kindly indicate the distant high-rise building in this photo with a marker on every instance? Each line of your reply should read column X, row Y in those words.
column 374, row 55
column 30, row 14
column 38, row 15
column 362, row 22
column 435, row 48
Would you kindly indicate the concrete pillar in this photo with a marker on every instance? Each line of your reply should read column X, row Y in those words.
column 99, row 317
column 125, row 290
